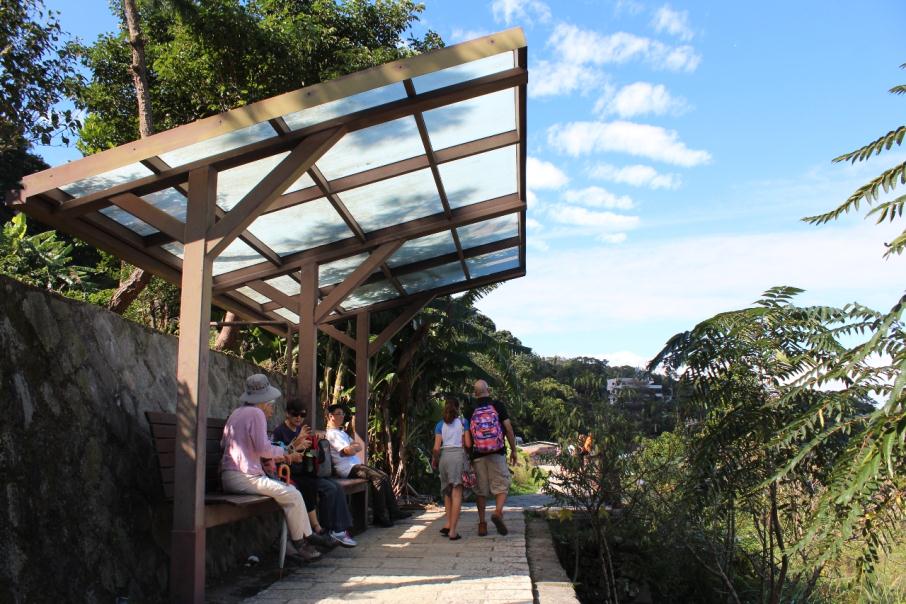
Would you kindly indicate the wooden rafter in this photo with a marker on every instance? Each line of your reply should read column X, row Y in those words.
column 403, row 319
column 420, row 227
column 337, row 335
column 356, row 278
column 438, row 291
column 302, row 157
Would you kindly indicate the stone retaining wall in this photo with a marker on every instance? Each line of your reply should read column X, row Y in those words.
column 81, row 511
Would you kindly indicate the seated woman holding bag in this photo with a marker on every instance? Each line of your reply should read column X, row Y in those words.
column 320, row 493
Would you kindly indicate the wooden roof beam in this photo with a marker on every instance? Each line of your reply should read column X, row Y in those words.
column 288, row 171
column 328, row 252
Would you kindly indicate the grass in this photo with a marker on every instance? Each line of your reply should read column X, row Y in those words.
column 527, row 479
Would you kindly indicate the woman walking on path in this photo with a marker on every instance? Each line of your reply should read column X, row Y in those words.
column 451, row 438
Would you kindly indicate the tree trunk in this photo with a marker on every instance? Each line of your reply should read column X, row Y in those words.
column 228, row 338
column 129, row 290
column 139, row 70
column 133, row 285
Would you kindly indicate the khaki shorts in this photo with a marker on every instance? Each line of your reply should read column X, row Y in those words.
column 493, row 475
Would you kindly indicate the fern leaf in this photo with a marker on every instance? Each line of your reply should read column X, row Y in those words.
column 868, row 192
column 874, row 147
column 889, row 209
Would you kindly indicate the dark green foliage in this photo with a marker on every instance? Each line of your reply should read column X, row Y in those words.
column 34, row 72
column 43, row 259
column 207, row 57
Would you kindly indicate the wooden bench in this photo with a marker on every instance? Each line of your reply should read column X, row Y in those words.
column 225, row 508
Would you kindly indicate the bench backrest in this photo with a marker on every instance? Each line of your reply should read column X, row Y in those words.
column 163, row 432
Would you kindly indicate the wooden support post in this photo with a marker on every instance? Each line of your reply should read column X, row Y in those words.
column 187, row 557
column 308, row 340
column 362, row 395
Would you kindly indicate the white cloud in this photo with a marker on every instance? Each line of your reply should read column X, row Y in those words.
column 612, row 238
column 574, row 215
column 579, row 46
column 620, row 358
column 596, row 197
column 461, row 35
column 636, row 175
column 544, row 175
column 640, row 98
column 533, row 225
column 675, row 23
column 676, row 283
column 524, row 11
column 653, row 142
column 559, row 77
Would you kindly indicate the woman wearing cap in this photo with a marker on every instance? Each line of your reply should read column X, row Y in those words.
column 244, row 443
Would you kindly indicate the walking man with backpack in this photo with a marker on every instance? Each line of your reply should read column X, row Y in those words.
column 488, row 422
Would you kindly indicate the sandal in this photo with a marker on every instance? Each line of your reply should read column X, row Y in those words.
column 456, row 537
column 445, row 531
column 499, row 525
column 482, row 529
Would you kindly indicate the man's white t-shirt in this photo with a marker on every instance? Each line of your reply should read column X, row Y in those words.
column 342, row 464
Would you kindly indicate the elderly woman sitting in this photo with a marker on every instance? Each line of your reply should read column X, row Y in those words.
column 244, row 443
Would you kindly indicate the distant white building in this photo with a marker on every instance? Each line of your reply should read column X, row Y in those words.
column 640, row 387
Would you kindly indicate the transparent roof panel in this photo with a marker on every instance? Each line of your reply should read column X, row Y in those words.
column 432, row 278
column 258, row 297
column 304, row 182
column 128, row 220
column 423, row 248
column 495, row 262
column 335, row 272
column 370, row 293
column 467, row 71
column 372, row 147
column 285, row 284
column 171, row 201
column 287, row 314
column 480, row 177
column 300, row 227
column 356, row 102
column 235, row 183
column 237, row 255
column 473, row 119
column 175, row 248
column 106, row 180
column 219, row 144
column 488, row 231
column 393, row 201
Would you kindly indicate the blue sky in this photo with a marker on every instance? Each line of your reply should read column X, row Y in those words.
column 673, row 149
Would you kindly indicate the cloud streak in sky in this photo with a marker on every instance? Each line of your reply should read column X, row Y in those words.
column 643, row 140
column 640, row 98
column 675, row 23
column 636, row 175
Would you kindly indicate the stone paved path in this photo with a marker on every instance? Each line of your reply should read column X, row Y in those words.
column 413, row 562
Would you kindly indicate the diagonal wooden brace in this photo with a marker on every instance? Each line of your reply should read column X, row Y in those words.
column 300, row 159
column 358, row 276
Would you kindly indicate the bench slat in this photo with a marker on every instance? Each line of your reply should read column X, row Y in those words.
column 169, row 431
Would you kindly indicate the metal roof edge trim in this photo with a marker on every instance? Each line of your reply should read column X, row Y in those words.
column 260, row 111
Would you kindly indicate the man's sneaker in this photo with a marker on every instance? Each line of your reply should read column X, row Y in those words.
column 343, row 538
column 400, row 515
column 319, row 540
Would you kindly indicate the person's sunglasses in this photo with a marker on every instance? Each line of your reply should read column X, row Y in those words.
column 298, row 413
